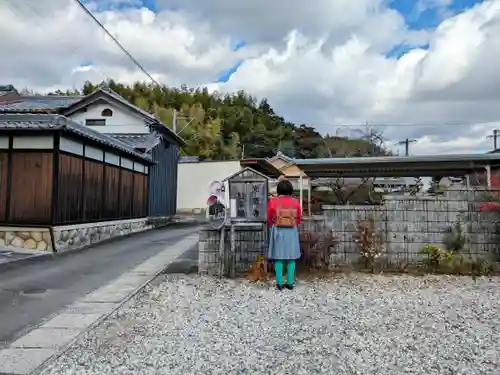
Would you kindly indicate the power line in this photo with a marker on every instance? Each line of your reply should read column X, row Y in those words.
column 337, row 126
column 73, row 48
column 308, row 123
column 124, row 50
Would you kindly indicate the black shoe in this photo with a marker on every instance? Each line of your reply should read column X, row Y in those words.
column 279, row 286
column 289, row 286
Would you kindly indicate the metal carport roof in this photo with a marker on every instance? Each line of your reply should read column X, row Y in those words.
column 398, row 166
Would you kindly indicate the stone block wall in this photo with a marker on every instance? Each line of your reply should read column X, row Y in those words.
column 407, row 223
column 249, row 242
column 410, row 222
column 36, row 239
column 73, row 237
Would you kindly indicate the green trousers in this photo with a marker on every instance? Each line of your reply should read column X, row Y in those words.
column 290, row 271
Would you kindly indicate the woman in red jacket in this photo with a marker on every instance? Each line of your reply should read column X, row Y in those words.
column 283, row 216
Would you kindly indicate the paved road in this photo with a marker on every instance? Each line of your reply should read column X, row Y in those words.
column 32, row 293
column 8, row 255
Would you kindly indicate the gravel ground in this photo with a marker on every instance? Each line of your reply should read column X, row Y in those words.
column 360, row 324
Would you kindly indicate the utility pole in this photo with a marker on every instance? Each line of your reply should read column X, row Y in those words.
column 495, row 135
column 174, row 120
column 407, row 143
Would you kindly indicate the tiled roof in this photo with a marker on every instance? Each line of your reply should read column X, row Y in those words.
column 36, row 122
column 189, row 159
column 39, row 103
column 152, row 118
column 57, row 103
column 124, row 101
column 136, row 141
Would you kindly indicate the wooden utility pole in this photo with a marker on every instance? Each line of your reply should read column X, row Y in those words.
column 176, row 117
column 407, row 143
column 495, row 135
column 174, row 120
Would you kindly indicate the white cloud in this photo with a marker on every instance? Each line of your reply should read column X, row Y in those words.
column 323, row 64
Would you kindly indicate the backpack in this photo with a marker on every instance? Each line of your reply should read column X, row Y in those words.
column 285, row 217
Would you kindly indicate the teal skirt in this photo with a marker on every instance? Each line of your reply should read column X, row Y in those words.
column 284, row 243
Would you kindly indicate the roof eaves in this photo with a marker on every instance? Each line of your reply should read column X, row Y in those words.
column 246, row 169
column 38, row 122
column 161, row 127
column 99, row 137
column 398, row 159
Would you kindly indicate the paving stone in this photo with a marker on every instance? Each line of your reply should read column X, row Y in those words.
column 23, row 361
column 91, row 308
column 72, row 321
column 47, row 338
column 114, row 297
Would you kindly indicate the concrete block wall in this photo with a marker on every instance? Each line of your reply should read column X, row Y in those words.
column 249, row 242
column 410, row 222
column 407, row 223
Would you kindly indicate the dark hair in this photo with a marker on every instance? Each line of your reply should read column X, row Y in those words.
column 284, row 188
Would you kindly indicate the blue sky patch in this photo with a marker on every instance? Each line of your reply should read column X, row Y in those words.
column 239, row 45
column 459, row 6
column 402, row 49
column 224, row 77
column 428, row 14
column 105, row 5
column 85, row 63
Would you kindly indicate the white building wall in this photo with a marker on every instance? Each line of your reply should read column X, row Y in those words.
column 194, row 179
column 122, row 122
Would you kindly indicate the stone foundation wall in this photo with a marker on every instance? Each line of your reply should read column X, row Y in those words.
column 26, row 238
column 74, row 237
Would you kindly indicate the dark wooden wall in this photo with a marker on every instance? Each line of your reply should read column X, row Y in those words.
column 30, row 196
column 163, row 180
column 4, row 156
column 36, row 190
column 90, row 191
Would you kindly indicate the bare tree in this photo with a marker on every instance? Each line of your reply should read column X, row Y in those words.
column 345, row 191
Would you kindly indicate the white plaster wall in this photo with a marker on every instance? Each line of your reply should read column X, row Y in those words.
column 70, row 145
column 194, row 179
column 122, row 122
column 34, row 143
column 4, row 142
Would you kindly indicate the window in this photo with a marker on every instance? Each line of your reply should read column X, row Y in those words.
column 95, row 122
column 107, row 112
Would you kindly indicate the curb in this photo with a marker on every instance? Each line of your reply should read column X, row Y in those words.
column 105, row 316
column 13, row 264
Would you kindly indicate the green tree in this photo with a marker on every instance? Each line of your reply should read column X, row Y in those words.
column 225, row 126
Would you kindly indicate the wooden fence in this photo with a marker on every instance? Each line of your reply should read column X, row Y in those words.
column 43, row 188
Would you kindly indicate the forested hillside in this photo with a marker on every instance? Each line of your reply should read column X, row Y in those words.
column 228, row 126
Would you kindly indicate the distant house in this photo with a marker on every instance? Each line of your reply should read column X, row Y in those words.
column 8, row 93
column 286, row 166
column 387, row 185
column 107, row 112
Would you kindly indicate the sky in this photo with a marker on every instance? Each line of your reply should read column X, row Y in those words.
column 423, row 69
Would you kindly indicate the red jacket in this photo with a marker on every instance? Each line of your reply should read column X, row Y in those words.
column 285, row 202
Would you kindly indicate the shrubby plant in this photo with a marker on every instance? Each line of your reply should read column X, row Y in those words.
column 369, row 241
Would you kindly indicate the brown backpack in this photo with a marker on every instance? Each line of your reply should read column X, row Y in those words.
column 286, row 217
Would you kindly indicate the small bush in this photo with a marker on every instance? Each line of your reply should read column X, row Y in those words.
column 454, row 239
column 369, row 241
column 316, row 248
column 437, row 255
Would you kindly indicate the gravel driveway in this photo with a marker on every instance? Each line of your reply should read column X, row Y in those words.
column 360, row 324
